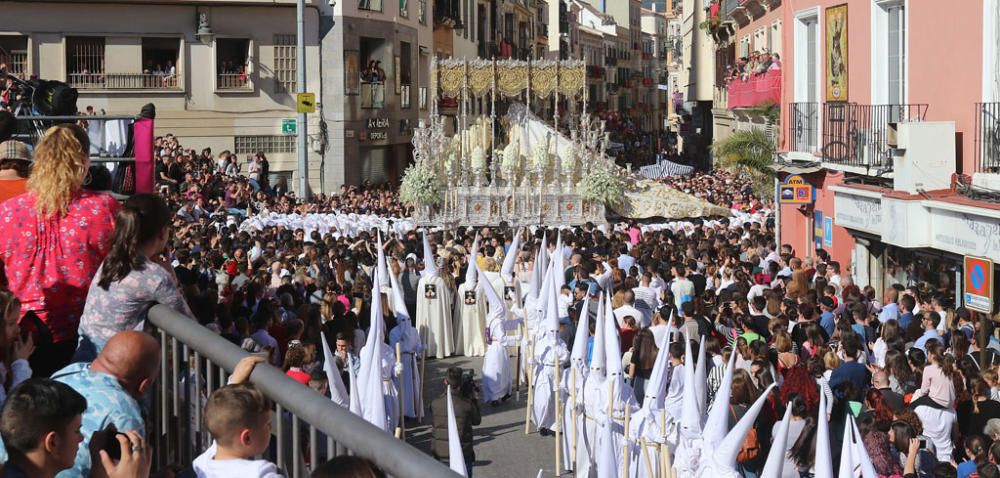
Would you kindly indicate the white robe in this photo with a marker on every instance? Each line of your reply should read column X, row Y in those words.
column 470, row 323
column 497, row 376
column 408, row 384
column 544, row 381
column 586, row 450
column 434, row 317
column 389, row 393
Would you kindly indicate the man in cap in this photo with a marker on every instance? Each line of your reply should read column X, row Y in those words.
column 15, row 165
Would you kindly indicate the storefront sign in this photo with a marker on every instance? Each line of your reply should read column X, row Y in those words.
column 377, row 129
column 796, row 190
column 965, row 233
column 858, row 212
column 978, row 288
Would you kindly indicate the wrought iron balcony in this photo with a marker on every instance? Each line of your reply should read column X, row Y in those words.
column 803, row 129
column 988, row 137
column 233, row 81
column 856, row 135
column 372, row 95
column 125, row 81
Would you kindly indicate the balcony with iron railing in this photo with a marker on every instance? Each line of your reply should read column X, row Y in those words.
column 987, row 141
column 803, row 128
column 373, row 95
column 233, row 82
column 126, row 81
column 856, row 137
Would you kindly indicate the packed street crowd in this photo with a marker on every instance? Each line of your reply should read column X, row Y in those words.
column 718, row 343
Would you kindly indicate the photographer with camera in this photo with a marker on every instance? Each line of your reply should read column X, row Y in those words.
column 466, row 404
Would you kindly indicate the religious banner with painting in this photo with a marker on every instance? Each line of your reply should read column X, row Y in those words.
column 836, row 53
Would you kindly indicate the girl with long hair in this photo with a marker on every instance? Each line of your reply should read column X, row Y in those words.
column 54, row 239
column 978, row 409
column 936, row 381
column 644, row 353
column 14, row 352
column 877, row 445
column 900, row 434
column 134, row 276
column 879, row 409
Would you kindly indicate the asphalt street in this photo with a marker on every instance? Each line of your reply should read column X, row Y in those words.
column 502, row 448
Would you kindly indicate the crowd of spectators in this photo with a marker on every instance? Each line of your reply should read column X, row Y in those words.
column 757, row 64
column 917, row 374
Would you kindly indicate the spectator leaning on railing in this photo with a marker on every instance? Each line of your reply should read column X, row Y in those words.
column 133, row 277
column 52, row 241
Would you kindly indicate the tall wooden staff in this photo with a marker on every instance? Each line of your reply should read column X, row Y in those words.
column 401, row 429
column 625, row 453
column 531, row 385
column 572, row 414
column 558, row 399
column 423, row 366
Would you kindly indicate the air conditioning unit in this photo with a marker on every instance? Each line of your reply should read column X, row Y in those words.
column 923, row 155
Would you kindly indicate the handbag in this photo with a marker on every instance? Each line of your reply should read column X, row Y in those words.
column 750, row 449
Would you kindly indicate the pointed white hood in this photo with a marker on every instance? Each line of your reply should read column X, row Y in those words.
column 824, row 461
column 559, row 262
column 700, row 380
column 656, row 387
column 598, row 353
column 551, row 324
column 607, row 463
column 776, row 457
column 373, row 403
column 717, row 423
column 498, row 308
column 535, row 284
column 691, row 425
column 472, row 269
column 727, row 451
column 338, row 391
column 383, row 267
column 612, row 343
column 507, row 270
column 399, row 303
column 430, row 266
column 579, row 354
column 853, row 455
column 456, row 459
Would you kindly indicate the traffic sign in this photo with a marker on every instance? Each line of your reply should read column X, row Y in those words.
column 289, row 126
column 979, row 284
column 307, row 102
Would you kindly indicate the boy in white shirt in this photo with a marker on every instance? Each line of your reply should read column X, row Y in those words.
column 239, row 418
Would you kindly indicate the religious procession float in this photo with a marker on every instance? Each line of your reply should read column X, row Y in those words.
column 484, row 169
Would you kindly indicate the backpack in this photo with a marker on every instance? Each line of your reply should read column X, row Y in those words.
column 750, row 449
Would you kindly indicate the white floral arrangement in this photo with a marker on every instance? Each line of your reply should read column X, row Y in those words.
column 478, row 158
column 541, row 155
column 568, row 157
column 603, row 186
column 452, row 163
column 420, row 186
column 510, row 157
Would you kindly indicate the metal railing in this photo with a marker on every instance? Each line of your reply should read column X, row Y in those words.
column 988, row 137
column 803, row 127
column 309, row 427
column 856, row 135
column 125, row 81
column 233, row 81
column 372, row 95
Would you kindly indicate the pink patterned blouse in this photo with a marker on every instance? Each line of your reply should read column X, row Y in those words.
column 49, row 263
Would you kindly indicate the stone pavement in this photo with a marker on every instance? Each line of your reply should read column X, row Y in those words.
column 502, row 448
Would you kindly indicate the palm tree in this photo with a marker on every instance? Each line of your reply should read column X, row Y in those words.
column 749, row 152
